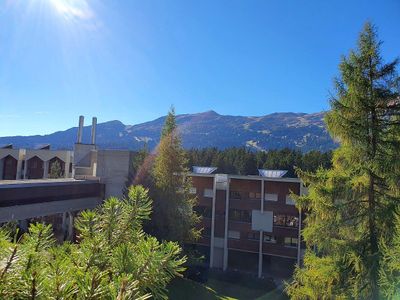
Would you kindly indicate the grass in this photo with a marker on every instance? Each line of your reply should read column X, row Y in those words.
column 217, row 288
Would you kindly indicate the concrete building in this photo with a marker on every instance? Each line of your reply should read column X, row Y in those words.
column 90, row 175
column 18, row 164
column 250, row 222
column 110, row 167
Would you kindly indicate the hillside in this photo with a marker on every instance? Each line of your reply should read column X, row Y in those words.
column 208, row 129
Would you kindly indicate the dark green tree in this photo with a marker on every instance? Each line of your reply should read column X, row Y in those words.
column 351, row 208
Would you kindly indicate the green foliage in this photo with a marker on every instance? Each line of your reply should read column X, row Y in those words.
column 242, row 161
column 114, row 258
column 174, row 218
column 55, row 170
column 351, row 208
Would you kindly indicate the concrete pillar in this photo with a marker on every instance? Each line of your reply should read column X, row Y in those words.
column 225, row 265
column 46, row 169
column 94, row 123
column 67, row 163
column 19, row 169
column 213, row 222
column 80, row 129
column 26, row 169
column 260, row 245
column 68, row 225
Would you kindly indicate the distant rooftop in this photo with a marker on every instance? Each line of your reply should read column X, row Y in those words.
column 42, row 147
column 204, row 170
column 6, row 146
column 272, row 173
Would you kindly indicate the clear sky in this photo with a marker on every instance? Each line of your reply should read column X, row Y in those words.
column 130, row 60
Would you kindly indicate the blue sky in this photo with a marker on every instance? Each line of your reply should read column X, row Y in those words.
column 130, row 60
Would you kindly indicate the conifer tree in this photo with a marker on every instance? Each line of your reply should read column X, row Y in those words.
column 114, row 258
column 351, row 208
column 174, row 217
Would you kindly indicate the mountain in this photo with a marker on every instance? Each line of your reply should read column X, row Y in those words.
column 208, row 129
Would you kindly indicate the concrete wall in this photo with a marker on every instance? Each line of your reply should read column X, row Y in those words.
column 113, row 167
column 23, row 212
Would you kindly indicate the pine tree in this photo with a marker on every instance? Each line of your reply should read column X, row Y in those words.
column 351, row 208
column 114, row 258
column 174, row 217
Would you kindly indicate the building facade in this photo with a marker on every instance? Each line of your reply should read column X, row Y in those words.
column 249, row 222
column 16, row 164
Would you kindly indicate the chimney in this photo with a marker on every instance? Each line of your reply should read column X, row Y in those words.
column 94, row 123
column 80, row 129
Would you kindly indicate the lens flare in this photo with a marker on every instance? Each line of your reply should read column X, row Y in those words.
column 73, row 10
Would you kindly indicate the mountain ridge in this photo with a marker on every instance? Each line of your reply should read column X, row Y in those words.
column 303, row 131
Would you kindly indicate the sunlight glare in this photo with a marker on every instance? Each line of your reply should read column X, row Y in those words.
column 73, row 10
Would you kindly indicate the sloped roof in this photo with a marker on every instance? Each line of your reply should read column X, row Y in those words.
column 6, row 146
column 42, row 147
column 204, row 170
column 272, row 173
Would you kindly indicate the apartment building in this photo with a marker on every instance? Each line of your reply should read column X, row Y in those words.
column 250, row 222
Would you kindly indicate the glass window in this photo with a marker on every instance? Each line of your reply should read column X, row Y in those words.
column 232, row 234
column 289, row 200
column 235, row 195
column 193, row 190
column 209, row 193
column 269, row 238
column 253, row 235
column 271, row 197
column 258, row 195
column 252, row 195
column 290, row 242
column 240, row 215
column 292, row 221
column 280, row 220
column 286, row 220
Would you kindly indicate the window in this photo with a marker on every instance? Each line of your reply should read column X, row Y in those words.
column 269, row 239
column 289, row 200
column 292, row 221
column 235, row 195
column 209, row 193
column 253, row 235
column 280, row 220
column 286, row 220
column 253, row 195
column 192, row 190
column 290, row 242
column 232, row 234
column 271, row 197
column 240, row 215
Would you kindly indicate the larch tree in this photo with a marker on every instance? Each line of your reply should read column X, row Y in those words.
column 352, row 208
column 174, row 217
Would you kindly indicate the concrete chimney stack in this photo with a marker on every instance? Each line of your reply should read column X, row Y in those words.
column 94, row 124
column 80, row 129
